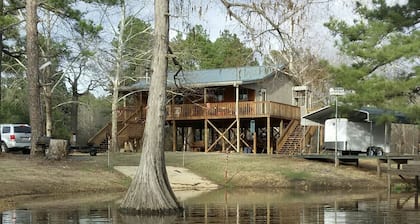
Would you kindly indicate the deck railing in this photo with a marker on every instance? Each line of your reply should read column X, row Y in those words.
column 228, row 110
column 131, row 113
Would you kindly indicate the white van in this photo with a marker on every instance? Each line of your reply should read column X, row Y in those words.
column 15, row 137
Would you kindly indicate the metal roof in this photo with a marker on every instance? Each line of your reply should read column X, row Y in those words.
column 365, row 114
column 213, row 77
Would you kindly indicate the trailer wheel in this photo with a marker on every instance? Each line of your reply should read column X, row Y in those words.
column 92, row 152
column 370, row 151
column 379, row 152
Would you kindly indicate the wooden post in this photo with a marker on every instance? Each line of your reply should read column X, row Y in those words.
column 184, row 139
column 238, row 131
column 254, row 142
column 174, row 138
column 223, row 141
column 206, row 136
column 281, row 128
column 269, row 136
column 416, row 195
column 141, row 105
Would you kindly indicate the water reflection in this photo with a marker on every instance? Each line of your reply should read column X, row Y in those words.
column 233, row 206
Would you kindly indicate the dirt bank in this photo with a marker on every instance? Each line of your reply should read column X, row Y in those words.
column 20, row 175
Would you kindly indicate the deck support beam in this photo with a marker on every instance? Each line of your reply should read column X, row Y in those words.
column 254, row 142
column 222, row 135
column 238, row 134
column 206, row 135
column 174, row 138
column 269, row 136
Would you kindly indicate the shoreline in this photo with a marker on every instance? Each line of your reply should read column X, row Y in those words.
column 184, row 183
column 80, row 173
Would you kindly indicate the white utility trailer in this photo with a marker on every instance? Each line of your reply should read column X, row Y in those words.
column 356, row 137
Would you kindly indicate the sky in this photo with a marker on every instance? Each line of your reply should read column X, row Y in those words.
column 214, row 19
column 212, row 15
column 317, row 37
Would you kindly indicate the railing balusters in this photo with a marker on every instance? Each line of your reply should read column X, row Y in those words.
column 227, row 110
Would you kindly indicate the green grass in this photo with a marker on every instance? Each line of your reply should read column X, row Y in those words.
column 296, row 176
column 213, row 166
column 249, row 170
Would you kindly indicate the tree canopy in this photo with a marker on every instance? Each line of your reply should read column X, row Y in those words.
column 197, row 51
column 383, row 48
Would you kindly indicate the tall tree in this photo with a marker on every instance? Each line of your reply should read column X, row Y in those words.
column 32, row 54
column 127, row 62
column 68, row 53
column 383, row 46
column 150, row 190
column 278, row 29
column 12, row 47
column 197, row 51
column 231, row 52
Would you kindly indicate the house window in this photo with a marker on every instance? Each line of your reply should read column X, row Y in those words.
column 219, row 93
column 243, row 94
column 178, row 99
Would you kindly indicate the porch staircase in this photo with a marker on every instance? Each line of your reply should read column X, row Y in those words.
column 129, row 129
column 295, row 138
column 290, row 143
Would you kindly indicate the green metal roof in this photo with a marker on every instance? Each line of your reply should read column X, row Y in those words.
column 213, row 77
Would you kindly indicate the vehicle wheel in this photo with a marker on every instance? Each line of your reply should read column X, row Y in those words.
column 4, row 147
column 92, row 153
column 379, row 152
column 370, row 151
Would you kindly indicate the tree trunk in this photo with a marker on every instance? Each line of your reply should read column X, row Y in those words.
column 116, row 82
column 114, row 121
column 48, row 111
column 1, row 51
column 74, row 112
column 57, row 149
column 33, row 73
column 150, row 191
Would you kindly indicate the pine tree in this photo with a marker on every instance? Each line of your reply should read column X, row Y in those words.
column 383, row 46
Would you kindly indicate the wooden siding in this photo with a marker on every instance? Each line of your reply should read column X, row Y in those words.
column 227, row 110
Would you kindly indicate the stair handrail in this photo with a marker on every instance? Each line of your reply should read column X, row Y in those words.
column 98, row 133
column 309, row 131
column 289, row 129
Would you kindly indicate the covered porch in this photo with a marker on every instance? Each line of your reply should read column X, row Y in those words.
column 230, row 126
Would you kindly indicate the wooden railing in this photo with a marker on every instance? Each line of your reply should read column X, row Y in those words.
column 228, row 110
column 131, row 113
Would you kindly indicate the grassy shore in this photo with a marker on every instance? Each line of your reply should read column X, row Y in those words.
column 21, row 175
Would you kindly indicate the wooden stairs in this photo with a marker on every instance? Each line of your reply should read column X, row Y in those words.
column 129, row 129
column 295, row 138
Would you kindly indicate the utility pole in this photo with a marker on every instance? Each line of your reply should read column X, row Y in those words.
column 337, row 91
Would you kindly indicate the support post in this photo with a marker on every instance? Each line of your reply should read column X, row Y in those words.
column 206, row 139
column 281, row 127
column 238, row 131
column 254, row 142
column 206, row 136
column 336, row 163
column 223, row 141
column 269, row 136
column 174, row 138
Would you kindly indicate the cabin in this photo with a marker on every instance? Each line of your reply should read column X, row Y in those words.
column 248, row 109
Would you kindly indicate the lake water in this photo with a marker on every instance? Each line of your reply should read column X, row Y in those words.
column 227, row 206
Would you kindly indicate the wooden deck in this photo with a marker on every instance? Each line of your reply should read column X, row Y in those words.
column 228, row 111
